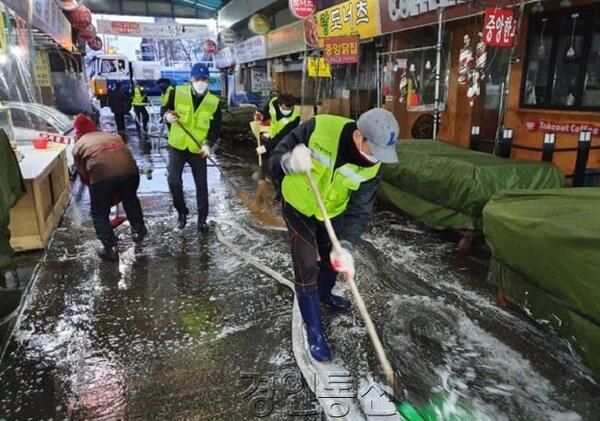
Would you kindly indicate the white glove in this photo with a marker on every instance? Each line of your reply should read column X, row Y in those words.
column 261, row 150
column 297, row 161
column 342, row 261
column 171, row 117
column 205, row 151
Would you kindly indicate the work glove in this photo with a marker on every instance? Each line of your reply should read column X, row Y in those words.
column 342, row 261
column 297, row 161
column 261, row 150
column 171, row 117
column 205, row 151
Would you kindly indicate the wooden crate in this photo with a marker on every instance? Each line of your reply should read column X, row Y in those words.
column 38, row 213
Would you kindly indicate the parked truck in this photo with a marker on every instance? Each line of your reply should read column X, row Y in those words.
column 104, row 70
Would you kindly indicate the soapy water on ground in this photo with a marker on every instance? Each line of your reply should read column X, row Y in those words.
column 182, row 329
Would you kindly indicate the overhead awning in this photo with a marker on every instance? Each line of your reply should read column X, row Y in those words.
column 202, row 9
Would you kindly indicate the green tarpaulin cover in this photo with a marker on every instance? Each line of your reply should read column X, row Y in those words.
column 11, row 190
column 447, row 187
column 547, row 250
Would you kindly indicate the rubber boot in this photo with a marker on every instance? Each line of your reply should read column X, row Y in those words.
column 182, row 219
column 108, row 253
column 309, row 308
column 326, row 281
column 202, row 226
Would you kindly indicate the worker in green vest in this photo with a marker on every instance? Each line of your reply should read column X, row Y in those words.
column 199, row 111
column 344, row 157
column 166, row 87
column 284, row 116
column 139, row 100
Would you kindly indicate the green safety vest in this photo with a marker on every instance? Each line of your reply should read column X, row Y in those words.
column 196, row 122
column 335, row 185
column 164, row 99
column 138, row 97
column 279, row 125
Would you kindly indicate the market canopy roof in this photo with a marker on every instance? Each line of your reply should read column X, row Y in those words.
column 203, row 9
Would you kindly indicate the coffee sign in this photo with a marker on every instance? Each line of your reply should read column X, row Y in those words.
column 561, row 127
column 398, row 15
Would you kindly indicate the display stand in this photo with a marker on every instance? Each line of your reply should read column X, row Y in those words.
column 38, row 213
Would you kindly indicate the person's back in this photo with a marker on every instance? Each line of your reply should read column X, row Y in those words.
column 119, row 101
column 101, row 155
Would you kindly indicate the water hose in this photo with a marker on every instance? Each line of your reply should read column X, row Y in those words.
column 318, row 376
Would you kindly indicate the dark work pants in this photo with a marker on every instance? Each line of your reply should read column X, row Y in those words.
column 103, row 195
column 141, row 114
column 177, row 160
column 120, row 122
column 309, row 242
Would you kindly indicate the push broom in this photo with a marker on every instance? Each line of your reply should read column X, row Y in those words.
column 431, row 411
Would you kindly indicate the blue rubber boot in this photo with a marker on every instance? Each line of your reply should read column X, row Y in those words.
column 326, row 281
column 309, row 308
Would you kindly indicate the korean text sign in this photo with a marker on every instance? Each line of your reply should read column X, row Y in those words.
column 499, row 27
column 353, row 17
column 318, row 67
column 341, row 50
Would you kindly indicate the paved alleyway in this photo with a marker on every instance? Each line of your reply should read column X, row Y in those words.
column 180, row 329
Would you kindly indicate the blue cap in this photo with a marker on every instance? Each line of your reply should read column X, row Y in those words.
column 199, row 70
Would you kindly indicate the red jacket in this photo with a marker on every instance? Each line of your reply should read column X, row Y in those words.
column 99, row 156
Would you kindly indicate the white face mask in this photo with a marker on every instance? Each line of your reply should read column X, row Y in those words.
column 370, row 158
column 285, row 113
column 200, row 86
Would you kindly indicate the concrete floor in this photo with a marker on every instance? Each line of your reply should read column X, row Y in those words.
column 181, row 329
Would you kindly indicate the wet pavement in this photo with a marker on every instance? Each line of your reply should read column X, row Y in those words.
column 181, row 329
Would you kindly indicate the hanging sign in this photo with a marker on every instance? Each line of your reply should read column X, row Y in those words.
column 252, row 49
column 20, row 7
column 286, row 40
column 225, row 58
column 341, row 50
column 3, row 37
column 302, row 9
column 49, row 18
column 43, row 77
column 95, row 43
column 228, row 37
column 311, row 33
column 259, row 24
column 153, row 30
column 353, row 17
column 209, row 46
column 499, row 27
column 318, row 67
column 259, row 80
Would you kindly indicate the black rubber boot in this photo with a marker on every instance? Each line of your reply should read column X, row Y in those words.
column 109, row 254
column 182, row 220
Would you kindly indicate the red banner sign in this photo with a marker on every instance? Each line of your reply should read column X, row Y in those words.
column 57, row 138
column 341, row 50
column 499, row 27
column 302, row 9
column 561, row 127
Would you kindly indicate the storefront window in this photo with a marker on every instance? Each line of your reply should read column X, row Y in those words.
column 591, row 90
column 421, row 70
column 563, row 58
